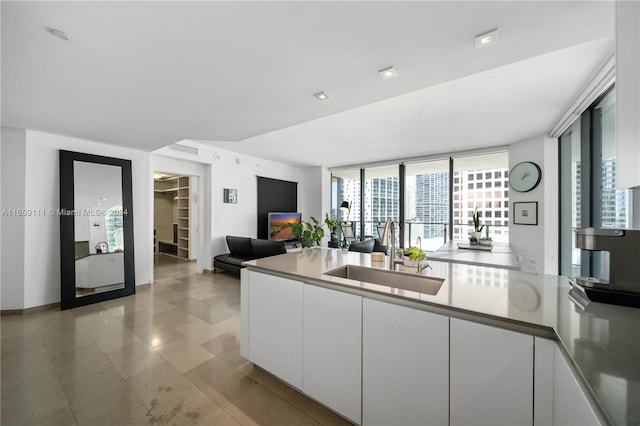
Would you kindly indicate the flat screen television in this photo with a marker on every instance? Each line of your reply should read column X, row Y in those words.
column 280, row 225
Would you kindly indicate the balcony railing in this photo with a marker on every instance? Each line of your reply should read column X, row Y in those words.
column 432, row 235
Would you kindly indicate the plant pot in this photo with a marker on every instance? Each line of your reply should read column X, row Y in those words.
column 334, row 244
column 409, row 262
column 476, row 235
column 485, row 242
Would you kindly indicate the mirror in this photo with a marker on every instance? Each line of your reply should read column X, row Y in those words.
column 96, row 229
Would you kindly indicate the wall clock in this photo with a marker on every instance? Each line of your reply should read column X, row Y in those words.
column 525, row 176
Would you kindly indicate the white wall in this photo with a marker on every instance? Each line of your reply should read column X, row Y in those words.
column 628, row 93
column 30, row 180
column 41, row 238
column 12, row 157
column 227, row 169
column 317, row 201
column 537, row 245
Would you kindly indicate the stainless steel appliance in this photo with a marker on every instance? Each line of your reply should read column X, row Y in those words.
column 623, row 284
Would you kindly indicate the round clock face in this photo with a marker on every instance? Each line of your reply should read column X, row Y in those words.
column 525, row 176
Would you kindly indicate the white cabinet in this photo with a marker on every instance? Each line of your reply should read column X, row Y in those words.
column 559, row 398
column 570, row 404
column 377, row 362
column 491, row 379
column 100, row 270
column 405, row 366
column 332, row 349
column 543, row 381
column 274, row 318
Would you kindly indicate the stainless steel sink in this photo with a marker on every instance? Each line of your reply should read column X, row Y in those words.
column 395, row 279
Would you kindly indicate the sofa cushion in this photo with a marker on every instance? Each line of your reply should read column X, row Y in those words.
column 362, row 246
column 379, row 247
column 266, row 248
column 221, row 257
column 240, row 246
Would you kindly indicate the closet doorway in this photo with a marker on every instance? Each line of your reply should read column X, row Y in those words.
column 174, row 216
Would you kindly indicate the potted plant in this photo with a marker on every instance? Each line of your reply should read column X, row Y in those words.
column 308, row 233
column 333, row 226
column 485, row 241
column 477, row 228
column 415, row 255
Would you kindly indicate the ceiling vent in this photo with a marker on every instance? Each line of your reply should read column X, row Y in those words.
column 183, row 148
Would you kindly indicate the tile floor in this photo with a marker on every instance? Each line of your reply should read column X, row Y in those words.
column 168, row 355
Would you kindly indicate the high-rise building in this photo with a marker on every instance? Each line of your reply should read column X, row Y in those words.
column 382, row 199
column 431, row 203
column 614, row 202
column 427, row 203
column 484, row 191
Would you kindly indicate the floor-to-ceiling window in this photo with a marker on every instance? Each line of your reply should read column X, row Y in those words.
column 430, row 199
column 381, row 198
column 426, row 203
column 481, row 183
column 570, row 198
column 345, row 185
column 588, row 194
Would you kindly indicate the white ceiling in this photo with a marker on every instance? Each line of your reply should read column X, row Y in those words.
column 241, row 75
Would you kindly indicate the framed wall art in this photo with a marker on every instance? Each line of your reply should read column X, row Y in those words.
column 230, row 196
column 525, row 213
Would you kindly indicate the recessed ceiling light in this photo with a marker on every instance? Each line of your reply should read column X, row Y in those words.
column 61, row 35
column 486, row 38
column 388, row 73
column 321, row 95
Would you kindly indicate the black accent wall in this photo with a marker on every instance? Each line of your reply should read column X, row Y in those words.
column 274, row 195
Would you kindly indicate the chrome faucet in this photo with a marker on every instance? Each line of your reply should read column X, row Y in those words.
column 385, row 239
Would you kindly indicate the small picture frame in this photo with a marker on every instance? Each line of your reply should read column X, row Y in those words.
column 230, row 196
column 525, row 213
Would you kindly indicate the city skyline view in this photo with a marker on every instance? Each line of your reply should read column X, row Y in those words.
column 427, row 201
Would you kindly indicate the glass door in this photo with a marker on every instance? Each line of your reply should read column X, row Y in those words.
column 426, row 203
column 381, row 198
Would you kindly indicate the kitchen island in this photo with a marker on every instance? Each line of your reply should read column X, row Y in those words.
column 345, row 343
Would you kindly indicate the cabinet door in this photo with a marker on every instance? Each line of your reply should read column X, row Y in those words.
column 491, row 375
column 570, row 405
column 543, row 381
column 405, row 366
column 275, row 326
column 332, row 349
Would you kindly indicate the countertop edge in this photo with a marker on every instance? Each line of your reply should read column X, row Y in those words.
column 538, row 330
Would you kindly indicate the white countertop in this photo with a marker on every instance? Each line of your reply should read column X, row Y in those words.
column 500, row 256
column 602, row 340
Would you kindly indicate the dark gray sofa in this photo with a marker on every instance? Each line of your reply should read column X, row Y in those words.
column 242, row 249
